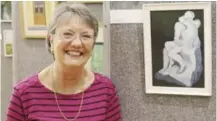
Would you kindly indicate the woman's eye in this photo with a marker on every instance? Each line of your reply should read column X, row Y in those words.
column 67, row 34
column 87, row 36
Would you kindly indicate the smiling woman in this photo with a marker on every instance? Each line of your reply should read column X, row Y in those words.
column 66, row 90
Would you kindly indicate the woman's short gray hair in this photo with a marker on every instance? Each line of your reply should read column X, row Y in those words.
column 65, row 11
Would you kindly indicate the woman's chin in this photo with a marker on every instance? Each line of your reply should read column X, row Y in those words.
column 74, row 64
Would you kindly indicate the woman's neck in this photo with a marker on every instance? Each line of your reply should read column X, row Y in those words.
column 68, row 80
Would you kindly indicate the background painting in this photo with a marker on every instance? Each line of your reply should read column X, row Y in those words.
column 97, row 61
column 35, row 16
column 8, row 43
column 162, row 30
column 5, row 10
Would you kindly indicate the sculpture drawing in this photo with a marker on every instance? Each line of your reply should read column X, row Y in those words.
column 182, row 61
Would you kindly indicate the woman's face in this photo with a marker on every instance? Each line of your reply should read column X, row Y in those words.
column 73, row 42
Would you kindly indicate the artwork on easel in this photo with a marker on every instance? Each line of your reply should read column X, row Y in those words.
column 6, row 10
column 8, row 43
column 177, row 47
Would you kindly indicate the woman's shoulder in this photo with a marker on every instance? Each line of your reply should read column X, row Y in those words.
column 104, row 80
column 26, row 82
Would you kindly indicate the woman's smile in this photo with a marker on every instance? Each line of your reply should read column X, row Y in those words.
column 74, row 53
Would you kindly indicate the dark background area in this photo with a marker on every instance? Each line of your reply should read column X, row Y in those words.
column 162, row 30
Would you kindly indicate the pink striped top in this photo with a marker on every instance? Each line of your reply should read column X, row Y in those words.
column 31, row 101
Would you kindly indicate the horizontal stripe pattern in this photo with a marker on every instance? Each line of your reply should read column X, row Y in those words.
column 32, row 101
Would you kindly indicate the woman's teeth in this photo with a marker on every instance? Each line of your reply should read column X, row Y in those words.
column 72, row 53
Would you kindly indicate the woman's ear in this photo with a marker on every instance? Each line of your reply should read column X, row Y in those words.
column 50, row 39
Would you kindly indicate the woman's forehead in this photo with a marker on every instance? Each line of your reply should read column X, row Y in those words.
column 73, row 21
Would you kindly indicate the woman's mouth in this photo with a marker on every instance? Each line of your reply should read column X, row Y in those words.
column 74, row 53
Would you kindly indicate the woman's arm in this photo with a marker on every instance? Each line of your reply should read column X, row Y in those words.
column 15, row 110
column 113, row 112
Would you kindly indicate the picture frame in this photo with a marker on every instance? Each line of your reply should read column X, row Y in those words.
column 178, row 48
column 34, row 18
column 8, row 43
column 6, row 11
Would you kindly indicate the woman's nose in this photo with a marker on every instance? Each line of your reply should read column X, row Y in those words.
column 76, row 41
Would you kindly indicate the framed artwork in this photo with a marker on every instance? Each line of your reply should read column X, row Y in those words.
column 8, row 43
column 177, row 48
column 34, row 17
column 97, row 60
column 6, row 15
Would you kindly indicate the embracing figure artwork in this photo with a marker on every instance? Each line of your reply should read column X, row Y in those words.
column 182, row 56
column 178, row 48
